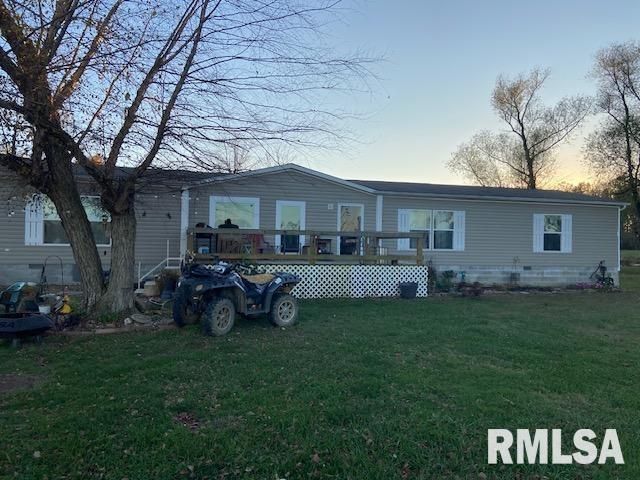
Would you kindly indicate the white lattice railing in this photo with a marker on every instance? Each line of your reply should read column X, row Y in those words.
column 354, row 281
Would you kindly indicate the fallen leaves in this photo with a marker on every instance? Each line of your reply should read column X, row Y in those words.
column 187, row 420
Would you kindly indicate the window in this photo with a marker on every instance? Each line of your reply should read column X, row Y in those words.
column 444, row 229
column 53, row 233
column 552, row 233
column 420, row 221
column 242, row 211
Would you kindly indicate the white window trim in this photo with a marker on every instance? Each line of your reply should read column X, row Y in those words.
column 40, row 213
column 33, row 221
column 618, row 236
column 432, row 243
column 565, row 233
column 184, row 219
column 379, row 209
column 410, row 249
column 214, row 199
column 303, row 219
column 340, row 205
column 432, row 231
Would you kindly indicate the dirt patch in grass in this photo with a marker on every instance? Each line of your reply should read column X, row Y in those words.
column 10, row 382
column 187, row 420
column 190, row 421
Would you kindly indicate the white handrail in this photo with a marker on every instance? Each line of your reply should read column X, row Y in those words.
column 163, row 264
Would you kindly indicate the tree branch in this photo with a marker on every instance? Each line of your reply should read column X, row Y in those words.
column 65, row 91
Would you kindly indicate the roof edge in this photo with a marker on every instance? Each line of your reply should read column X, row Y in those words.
column 356, row 186
column 282, row 168
column 494, row 198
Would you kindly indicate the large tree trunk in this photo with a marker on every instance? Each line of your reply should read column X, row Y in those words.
column 119, row 296
column 64, row 195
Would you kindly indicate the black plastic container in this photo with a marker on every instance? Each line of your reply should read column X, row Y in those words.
column 408, row 289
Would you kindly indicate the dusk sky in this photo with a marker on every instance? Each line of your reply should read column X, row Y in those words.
column 441, row 62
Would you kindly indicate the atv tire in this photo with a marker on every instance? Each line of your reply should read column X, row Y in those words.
column 284, row 310
column 182, row 313
column 219, row 316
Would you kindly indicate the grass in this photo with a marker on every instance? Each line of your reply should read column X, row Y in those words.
column 375, row 389
column 630, row 278
column 630, row 254
column 630, row 257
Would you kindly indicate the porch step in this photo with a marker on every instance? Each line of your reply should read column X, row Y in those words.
column 150, row 289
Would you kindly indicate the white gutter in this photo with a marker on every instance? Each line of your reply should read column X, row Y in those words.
column 379, row 205
column 498, row 198
column 619, row 259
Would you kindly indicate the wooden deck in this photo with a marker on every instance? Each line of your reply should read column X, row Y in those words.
column 319, row 246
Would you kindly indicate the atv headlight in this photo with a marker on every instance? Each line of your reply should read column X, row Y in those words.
column 199, row 287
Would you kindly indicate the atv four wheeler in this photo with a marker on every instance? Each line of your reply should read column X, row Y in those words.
column 214, row 294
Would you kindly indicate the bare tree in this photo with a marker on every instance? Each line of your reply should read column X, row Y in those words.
column 524, row 154
column 490, row 160
column 102, row 84
column 613, row 149
column 230, row 158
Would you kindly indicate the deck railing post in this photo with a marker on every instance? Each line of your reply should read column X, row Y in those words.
column 419, row 250
column 313, row 250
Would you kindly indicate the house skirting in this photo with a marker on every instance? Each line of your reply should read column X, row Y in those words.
column 529, row 277
column 55, row 275
column 67, row 275
column 331, row 280
column 352, row 281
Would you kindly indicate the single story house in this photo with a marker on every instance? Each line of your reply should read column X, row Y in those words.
column 545, row 237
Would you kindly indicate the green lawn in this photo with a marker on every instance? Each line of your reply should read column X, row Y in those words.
column 630, row 256
column 361, row 389
column 630, row 278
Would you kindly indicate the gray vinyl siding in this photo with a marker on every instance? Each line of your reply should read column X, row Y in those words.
column 158, row 220
column 497, row 232
column 319, row 194
column 13, row 250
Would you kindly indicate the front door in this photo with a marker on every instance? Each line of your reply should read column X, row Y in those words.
column 290, row 215
column 350, row 219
